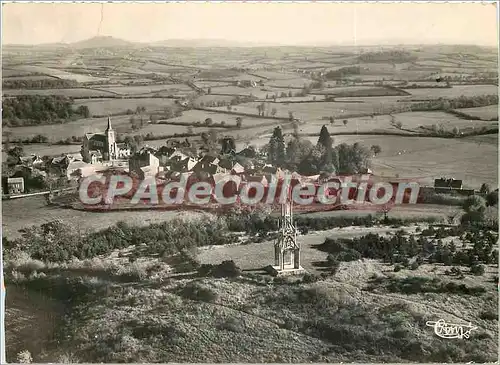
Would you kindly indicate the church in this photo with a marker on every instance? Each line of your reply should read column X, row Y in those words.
column 101, row 147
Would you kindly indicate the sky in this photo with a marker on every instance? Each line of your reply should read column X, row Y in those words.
column 276, row 23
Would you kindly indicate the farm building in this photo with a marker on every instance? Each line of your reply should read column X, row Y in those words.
column 444, row 185
column 15, row 185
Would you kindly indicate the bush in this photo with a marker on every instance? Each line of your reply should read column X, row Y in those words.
column 414, row 265
column 477, row 269
column 349, row 255
column 310, row 278
column 489, row 315
column 398, row 267
column 194, row 291
column 227, row 269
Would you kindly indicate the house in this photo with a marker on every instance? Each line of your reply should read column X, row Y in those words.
column 444, row 185
column 209, row 164
column 246, row 83
column 237, row 169
column 144, row 163
column 248, row 152
column 77, row 169
column 122, row 151
column 59, row 165
column 164, row 154
column 94, row 157
column 15, row 185
column 179, row 164
column 31, row 161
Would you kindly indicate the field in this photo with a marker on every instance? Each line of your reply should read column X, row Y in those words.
column 316, row 111
column 76, row 128
column 149, row 89
column 80, row 93
column 415, row 120
column 59, row 73
column 484, row 112
column 428, row 158
column 455, row 92
column 116, row 106
column 193, row 116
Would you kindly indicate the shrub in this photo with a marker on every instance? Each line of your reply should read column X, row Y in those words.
column 349, row 255
column 489, row 315
column 414, row 265
column 194, row 291
column 310, row 278
column 477, row 269
column 225, row 269
column 398, row 267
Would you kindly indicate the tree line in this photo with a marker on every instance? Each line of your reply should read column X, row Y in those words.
column 38, row 84
column 26, row 110
column 396, row 56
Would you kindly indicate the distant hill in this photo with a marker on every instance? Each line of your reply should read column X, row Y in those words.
column 102, row 42
column 199, row 43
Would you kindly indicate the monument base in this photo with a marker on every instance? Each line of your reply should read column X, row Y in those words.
column 288, row 270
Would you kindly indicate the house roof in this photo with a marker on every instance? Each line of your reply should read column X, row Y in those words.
column 60, row 160
column 15, row 180
column 238, row 168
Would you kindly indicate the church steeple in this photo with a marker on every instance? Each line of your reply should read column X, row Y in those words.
column 109, row 128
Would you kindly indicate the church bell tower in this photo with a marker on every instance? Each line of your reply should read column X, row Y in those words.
column 110, row 138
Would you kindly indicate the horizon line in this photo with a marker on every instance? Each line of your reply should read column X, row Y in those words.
column 244, row 44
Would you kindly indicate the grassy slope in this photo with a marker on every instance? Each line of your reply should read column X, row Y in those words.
column 248, row 319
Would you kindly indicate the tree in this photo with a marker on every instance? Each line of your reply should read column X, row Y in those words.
column 209, row 91
column 332, row 120
column 344, row 121
column 169, row 112
column 84, row 111
column 208, row 121
column 398, row 125
column 290, row 116
column 492, row 198
column 239, row 121
column 376, row 149
column 276, row 150
column 297, row 150
column 295, row 127
column 324, row 137
column 485, row 189
column 212, row 136
column 16, row 152
column 131, row 143
column 475, row 207
column 351, row 159
column 474, row 203
column 228, row 145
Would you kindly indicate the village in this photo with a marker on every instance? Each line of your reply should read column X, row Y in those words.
column 209, row 161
